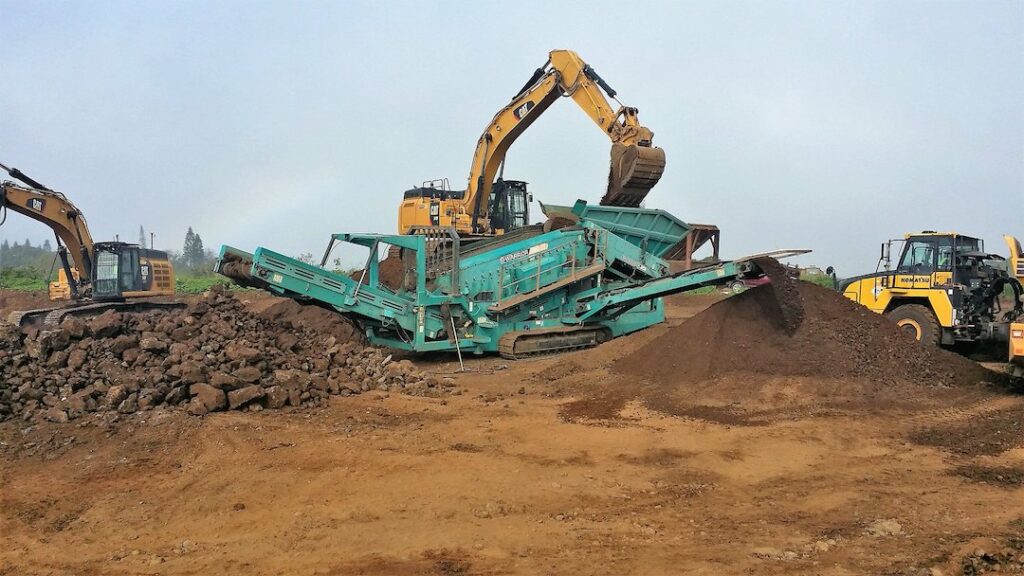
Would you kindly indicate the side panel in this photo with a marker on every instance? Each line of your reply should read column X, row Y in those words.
column 884, row 292
column 1017, row 344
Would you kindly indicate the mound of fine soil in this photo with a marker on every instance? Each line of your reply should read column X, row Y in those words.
column 744, row 362
column 838, row 339
column 296, row 316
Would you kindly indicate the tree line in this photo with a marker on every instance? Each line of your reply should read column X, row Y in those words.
column 26, row 260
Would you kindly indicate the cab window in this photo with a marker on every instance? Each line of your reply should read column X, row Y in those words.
column 945, row 255
column 918, row 258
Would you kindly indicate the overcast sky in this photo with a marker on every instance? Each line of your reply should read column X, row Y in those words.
column 827, row 125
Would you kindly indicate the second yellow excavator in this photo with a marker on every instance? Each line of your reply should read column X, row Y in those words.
column 94, row 276
column 490, row 206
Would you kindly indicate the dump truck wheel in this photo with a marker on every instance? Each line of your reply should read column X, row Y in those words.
column 917, row 321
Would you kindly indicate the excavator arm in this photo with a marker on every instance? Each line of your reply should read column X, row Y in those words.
column 636, row 165
column 56, row 211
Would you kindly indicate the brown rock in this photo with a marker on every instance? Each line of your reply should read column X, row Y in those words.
column 131, row 355
column 191, row 372
column 58, row 359
column 129, row 404
column 238, row 352
column 56, row 415
column 74, row 327
column 177, row 395
column 106, row 325
column 76, row 358
column 223, row 381
column 196, row 407
column 153, row 345
column 212, row 399
column 291, row 378
column 184, row 333
column 122, row 343
column 277, row 397
column 248, row 374
column 286, row 341
column 242, row 396
column 115, row 395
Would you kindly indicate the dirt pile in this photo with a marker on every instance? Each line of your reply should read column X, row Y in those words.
column 838, row 339
column 215, row 355
column 390, row 272
column 736, row 363
column 295, row 316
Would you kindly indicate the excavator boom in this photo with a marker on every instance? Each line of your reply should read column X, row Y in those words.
column 55, row 211
column 98, row 276
column 636, row 165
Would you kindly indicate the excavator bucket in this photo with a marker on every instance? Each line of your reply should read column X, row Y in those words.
column 634, row 171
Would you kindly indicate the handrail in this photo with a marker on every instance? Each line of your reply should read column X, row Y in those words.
column 536, row 276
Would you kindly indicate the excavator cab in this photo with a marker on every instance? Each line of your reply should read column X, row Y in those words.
column 510, row 205
column 124, row 270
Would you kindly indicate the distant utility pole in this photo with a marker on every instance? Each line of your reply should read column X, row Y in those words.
column 152, row 236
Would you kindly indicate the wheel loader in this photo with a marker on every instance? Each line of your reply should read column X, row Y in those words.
column 945, row 289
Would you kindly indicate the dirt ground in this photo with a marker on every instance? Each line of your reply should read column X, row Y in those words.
column 501, row 479
column 11, row 300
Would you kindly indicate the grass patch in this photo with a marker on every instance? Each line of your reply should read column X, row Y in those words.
column 199, row 284
column 23, row 279
column 822, row 280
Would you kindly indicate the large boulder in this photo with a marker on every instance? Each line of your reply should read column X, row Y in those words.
column 106, row 325
column 210, row 398
column 242, row 396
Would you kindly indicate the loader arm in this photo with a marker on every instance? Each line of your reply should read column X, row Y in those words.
column 636, row 165
column 57, row 212
column 1016, row 257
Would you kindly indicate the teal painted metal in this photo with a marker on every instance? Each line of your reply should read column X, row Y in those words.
column 602, row 273
column 655, row 231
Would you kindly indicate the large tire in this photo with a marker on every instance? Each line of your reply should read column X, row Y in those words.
column 917, row 321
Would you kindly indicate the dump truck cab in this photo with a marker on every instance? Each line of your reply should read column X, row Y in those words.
column 943, row 288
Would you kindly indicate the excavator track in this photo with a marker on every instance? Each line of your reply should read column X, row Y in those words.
column 52, row 317
column 531, row 343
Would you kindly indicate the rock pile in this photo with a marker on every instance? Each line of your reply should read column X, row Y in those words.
column 214, row 355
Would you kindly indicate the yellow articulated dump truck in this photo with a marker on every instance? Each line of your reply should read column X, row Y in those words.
column 944, row 288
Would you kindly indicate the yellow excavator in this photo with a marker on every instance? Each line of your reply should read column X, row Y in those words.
column 945, row 289
column 489, row 206
column 95, row 276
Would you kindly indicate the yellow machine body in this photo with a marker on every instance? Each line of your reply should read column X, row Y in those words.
column 946, row 289
column 636, row 165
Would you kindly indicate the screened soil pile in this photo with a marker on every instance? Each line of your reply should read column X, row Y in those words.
column 787, row 307
column 838, row 339
column 295, row 316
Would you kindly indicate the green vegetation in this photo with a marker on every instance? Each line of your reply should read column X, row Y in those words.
column 191, row 284
column 26, row 267
column 23, row 278
column 819, row 279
